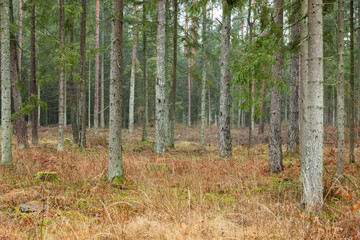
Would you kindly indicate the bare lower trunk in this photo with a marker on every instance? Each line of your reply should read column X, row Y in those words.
column 60, row 146
column 340, row 90
column 203, row 82
column 33, row 87
column 159, row 146
column 96, row 93
column 225, row 148
column 20, row 124
column 313, row 134
column 82, row 104
column 132, row 77
column 263, row 108
column 145, row 84
column 102, row 101
column 115, row 165
column 6, row 152
column 352, row 85
column 173, row 99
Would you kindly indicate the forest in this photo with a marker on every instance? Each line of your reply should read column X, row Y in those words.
column 175, row 119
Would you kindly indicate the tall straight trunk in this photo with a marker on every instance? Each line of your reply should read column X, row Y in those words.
column 225, row 148
column 20, row 124
column 20, row 14
column 293, row 132
column 6, row 152
column 96, row 94
column 145, row 82
column 74, row 91
column 133, row 75
column 102, row 100
column 251, row 92
column 313, row 134
column 167, row 75
column 189, row 65
column 159, row 146
column 352, row 85
column 89, row 96
column 263, row 109
column 82, row 106
column 115, row 165
column 303, row 79
column 275, row 151
column 340, row 90
column 60, row 146
column 173, row 102
column 358, row 67
column 33, row 87
column 203, row 82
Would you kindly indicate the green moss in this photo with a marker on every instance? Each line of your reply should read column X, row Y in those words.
column 46, row 176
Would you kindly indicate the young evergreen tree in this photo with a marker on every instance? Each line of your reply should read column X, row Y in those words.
column 115, row 165
column 225, row 148
column 6, row 152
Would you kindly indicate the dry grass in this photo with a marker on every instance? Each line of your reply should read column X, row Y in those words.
column 199, row 196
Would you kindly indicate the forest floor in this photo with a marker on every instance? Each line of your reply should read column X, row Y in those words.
column 198, row 196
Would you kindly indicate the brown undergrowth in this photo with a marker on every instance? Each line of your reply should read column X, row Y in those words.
column 198, row 195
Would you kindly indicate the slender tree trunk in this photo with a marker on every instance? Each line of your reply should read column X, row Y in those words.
column 352, row 85
column 203, row 82
column 20, row 124
column 115, row 165
column 82, row 76
column 313, row 134
column 293, row 132
column 6, row 152
column 159, row 146
column 189, row 66
column 167, row 75
column 225, row 148
column 33, row 87
column 263, row 109
column 96, row 94
column 358, row 120
column 340, row 90
column 89, row 96
column 20, row 14
column 275, row 151
column 133, row 75
column 146, row 87
column 102, row 101
column 173, row 105
column 60, row 146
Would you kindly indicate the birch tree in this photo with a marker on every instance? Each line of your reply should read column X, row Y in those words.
column 6, row 153
column 115, row 165
column 225, row 148
column 160, row 143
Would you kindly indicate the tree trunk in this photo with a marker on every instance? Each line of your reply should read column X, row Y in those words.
column 173, row 104
column 340, row 90
column 313, row 134
column 275, row 151
column 96, row 94
column 33, row 87
column 89, row 96
column 225, row 148
column 133, row 75
column 263, row 109
column 6, row 152
column 189, row 66
column 82, row 76
column 102, row 101
column 115, row 165
column 203, row 82
column 352, row 85
column 20, row 19
column 60, row 146
column 20, row 124
column 293, row 132
column 146, row 87
column 159, row 146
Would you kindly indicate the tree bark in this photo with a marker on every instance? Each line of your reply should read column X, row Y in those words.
column 173, row 102
column 352, row 85
column 60, row 146
column 159, row 146
column 293, row 132
column 203, row 82
column 133, row 75
column 6, row 152
column 145, row 82
column 82, row 76
column 102, row 101
column 33, row 87
column 340, row 90
column 20, row 124
column 313, row 134
column 96, row 94
column 115, row 165
column 275, row 142
column 20, row 14
column 225, row 148
column 189, row 65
